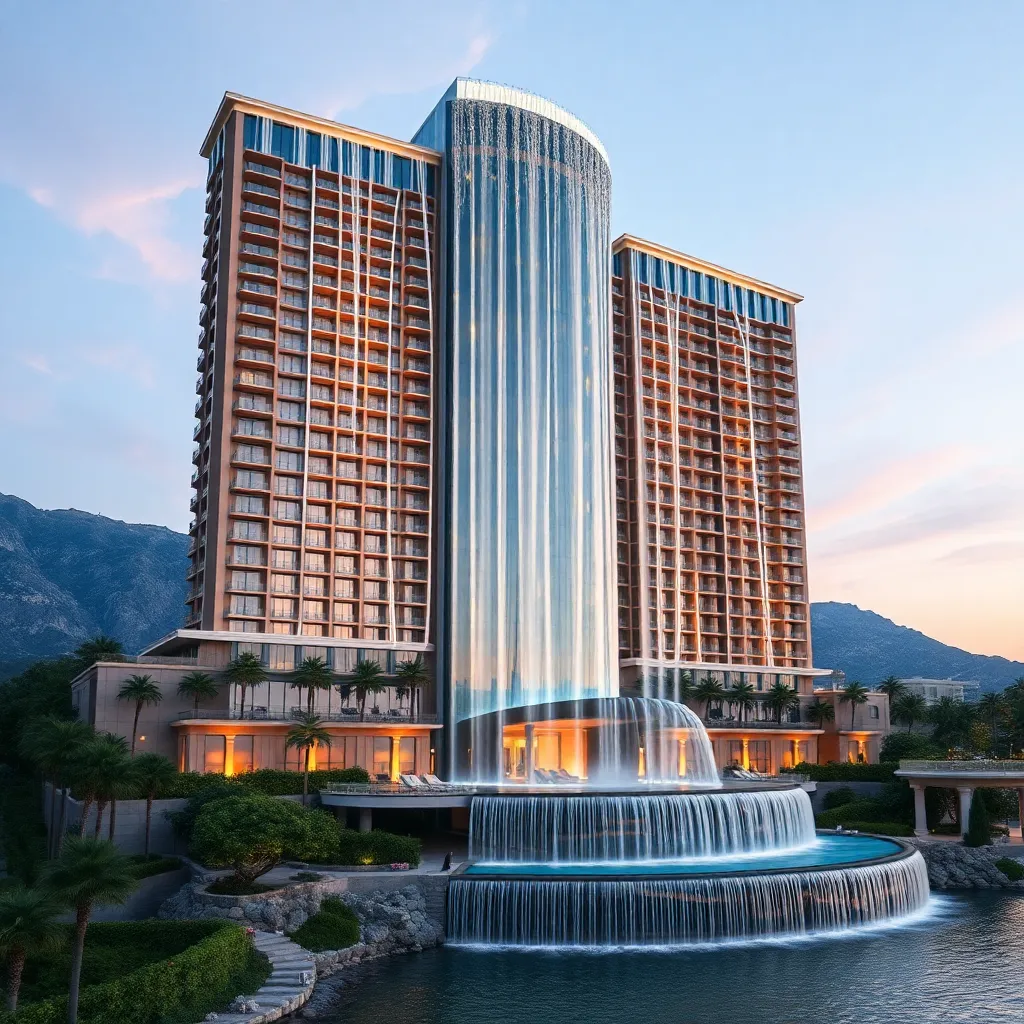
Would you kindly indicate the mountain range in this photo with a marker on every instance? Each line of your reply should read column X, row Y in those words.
column 67, row 575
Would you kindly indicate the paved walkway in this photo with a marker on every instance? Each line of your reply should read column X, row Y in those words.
column 287, row 988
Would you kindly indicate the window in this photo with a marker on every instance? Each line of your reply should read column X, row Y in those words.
column 290, row 436
column 287, row 510
column 760, row 753
column 242, row 605
column 286, row 559
column 243, row 759
column 282, row 657
column 280, row 584
column 289, row 486
column 250, row 504
column 316, row 563
column 213, row 753
column 291, row 364
column 247, row 581
column 382, row 756
column 291, row 411
column 873, row 711
column 346, row 563
column 289, row 460
column 316, row 538
column 291, row 388
column 407, row 755
column 242, row 529
column 251, row 453
column 242, row 554
column 294, row 342
column 251, row 478
column 318, row 464
column 286, row 535
column 283, row 608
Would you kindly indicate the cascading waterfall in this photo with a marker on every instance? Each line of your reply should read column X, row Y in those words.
column 683, row 911
column 615, row 828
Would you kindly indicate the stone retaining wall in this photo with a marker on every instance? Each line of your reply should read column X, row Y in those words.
column 952, row 865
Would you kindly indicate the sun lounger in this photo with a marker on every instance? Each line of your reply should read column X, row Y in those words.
column 412, row 782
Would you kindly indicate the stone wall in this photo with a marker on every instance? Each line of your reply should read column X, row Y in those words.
column 951, row 865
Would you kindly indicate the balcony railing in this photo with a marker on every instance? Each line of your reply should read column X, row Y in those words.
column 347, row 715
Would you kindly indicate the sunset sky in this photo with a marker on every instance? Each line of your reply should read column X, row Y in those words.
column 868, row 156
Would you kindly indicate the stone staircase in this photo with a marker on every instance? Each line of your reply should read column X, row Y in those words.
column 287, row 988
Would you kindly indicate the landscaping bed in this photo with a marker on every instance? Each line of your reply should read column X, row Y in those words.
column 145, row 972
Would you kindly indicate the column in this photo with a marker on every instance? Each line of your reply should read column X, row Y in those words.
column 966, row 793
column 229, row 756
column 920, row 816
column 746, row 753
column 312, row 757
column 395, row 764
column 529, row 752
column 365, row 819
column 796, row 752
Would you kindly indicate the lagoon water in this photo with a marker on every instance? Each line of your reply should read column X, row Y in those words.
column 960, row 964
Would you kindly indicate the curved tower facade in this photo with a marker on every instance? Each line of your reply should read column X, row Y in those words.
column 528, row 555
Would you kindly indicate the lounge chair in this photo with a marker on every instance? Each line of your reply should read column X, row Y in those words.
column 382, row 777
column 543, row 775
column 412, row 782
column 432, row 781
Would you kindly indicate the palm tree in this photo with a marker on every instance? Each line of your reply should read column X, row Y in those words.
column 28, row 927
column 344, row 692
column 53, row 744
column 781, row 699
column 684, row 689
column 307, row 733
column 197, row 686
column 152, row 771
column 98, row 772
column 413, row 674
column 401, row 692
column 89, row 872
column 366, row 679
column 893, row 687
column 142, row 690
column 992, row 707
column 245, row 671
column 709, row 691
column 742, row 697
column 910, row 708
column 314, row 674
column 854, row 694
column 99, row 648
column 820, row 711
column 951, row 721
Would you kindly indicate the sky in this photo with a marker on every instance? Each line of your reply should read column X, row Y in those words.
column 867, row 156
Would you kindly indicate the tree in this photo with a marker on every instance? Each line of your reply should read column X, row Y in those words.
column 366, row 679
column 820, row 711
column 854, row 694
column 892, row 687
column 910, row 708
column 991, row 707
column 245, row 671
column 709, row 691
column 979, row 825
column 781, row 699
column 100, row 771
column 344, row 692
column 314, row 675
column 197, row 686
column 305, row 734
column 742, row 696
column 414, row 674
column 99, row 648
column 141, row 690
column 88, row 873
column 53, row 744
column 152, row 771
column 684, row 687
column 951, row 721
column 247, row 833
column 28, row 927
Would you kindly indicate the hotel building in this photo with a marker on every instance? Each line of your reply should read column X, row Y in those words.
column 442, row 414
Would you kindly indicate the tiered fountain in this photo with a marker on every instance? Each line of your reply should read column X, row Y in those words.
column 633, row 859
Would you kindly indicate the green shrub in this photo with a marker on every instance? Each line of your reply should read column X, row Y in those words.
column 884, row 828
column 231, row 886
column 377, row 847
column 841, row 771
column 333, row 927
column 269, row 781
column 216, row 787
column 865, row 810
column 979, row 825
column 838, row 797
column 181, row 983
column 154, row 864
column 898, row 745
column 1013, row 869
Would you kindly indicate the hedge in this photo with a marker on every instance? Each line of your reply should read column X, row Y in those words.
column 1013, row 869
column 884, row 828
column 333, row 927
column 865, row 810
column 377, row 847
column 838, row 771
column 269, row 781
column 186, row 986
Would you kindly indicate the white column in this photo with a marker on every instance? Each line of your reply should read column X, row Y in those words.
column 966, row 793
column 920, row 817
column 365, row 819
column 529, row 752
